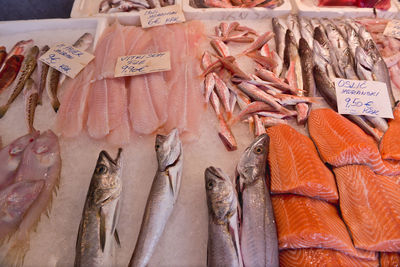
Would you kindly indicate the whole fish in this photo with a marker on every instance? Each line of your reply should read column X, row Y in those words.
column 222, row 247
column 28, row 66
column 31, row 97
column 10, row 157
column 294, row 27
column 97, row 229
column 10, row 71
column 380, row 73
column 32, row 193
column 54, row 77
column 19, row 48
column 280, row 30
column 42, row 70
column 326, row 88
column 259, row 42
column 307, row 31
column 3, row 55
column 258, row 238
column 162, row 197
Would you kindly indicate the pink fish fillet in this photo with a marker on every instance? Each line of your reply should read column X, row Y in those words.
column 72, row 113
column 41, row 163
column 132, row 35
column 10, row 158
column 108, row 49
column 97, row 121
column 118, row 111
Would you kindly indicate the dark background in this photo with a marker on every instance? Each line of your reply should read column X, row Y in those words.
column 34, row 9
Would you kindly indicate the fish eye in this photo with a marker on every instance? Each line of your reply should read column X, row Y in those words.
column 258, row 149
column 210, row 184
column 157, row 146
column 101, row 169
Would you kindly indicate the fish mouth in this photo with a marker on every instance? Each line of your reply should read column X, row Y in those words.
column 109, row 158
column 170, row 138
column 215, row 172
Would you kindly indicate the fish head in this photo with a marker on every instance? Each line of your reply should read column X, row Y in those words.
column 168, row 149
column 18, row 146
column 319, row 35
column 106, row 179
column 221, row 197
column 252, row 163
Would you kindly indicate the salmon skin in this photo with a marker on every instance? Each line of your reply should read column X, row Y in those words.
column 370, row 207
column 291, row 156
column 258, row 238
column 310, row 257
column 10, row 71
column 304, row 222
column 340, row 143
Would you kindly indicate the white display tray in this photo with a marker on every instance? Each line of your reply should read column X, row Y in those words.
column 309, row 9
column 193, row 12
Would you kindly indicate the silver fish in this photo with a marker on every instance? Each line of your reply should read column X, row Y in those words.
column 162, row 197
column 258, row 239
column 280, row 30
column 97, row 229
column 293, row 25
column 307, row 31
column 222, row 246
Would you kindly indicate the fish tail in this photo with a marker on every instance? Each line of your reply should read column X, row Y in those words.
column 56, row 104
column 16, row 254
column 3, row 110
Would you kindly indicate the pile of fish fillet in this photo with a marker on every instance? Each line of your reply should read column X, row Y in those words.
column 342, row 218
column 115, row 108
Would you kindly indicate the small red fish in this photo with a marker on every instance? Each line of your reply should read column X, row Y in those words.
column 3, row 55
column 10, row 71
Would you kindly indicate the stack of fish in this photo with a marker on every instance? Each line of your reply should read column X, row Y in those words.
column 156, row 102
column 368, row 185
column 29, row 175
column 388, row 46
column 255, row 243
column 309, row 226
column 282, row 79
column 114, row 6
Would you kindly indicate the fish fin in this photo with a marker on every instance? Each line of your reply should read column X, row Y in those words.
column 171, row 183
column 115, row 218
column 102, row 229
column 16, row 254
column 116, row 236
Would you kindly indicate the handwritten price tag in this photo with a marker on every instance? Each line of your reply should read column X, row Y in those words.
column 142, row 64
column 392, row 29
column 363, row 98
column 66, row 59
column 161, row 16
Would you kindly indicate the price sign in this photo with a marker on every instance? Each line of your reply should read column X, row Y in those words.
column 392, row 29
column 358, row 97
column 161, row 16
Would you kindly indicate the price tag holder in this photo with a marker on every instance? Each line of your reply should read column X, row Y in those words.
column 392, row 29
column 161, row 16
column 358, row 97
column 66, row 59
column 142, row 64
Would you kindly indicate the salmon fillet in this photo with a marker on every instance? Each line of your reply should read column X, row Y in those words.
column 304, row 222
column 370, row 206
column 390, row 259
column 390, row 145
column 321, row 257
column 296, row 167
column 341, row 142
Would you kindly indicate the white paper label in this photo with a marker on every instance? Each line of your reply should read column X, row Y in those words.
column 161, row 16
column 66, row 59
column 142, row 64
column 392, row 29
column 358, row 97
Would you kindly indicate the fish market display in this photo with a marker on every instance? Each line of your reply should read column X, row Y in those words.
column 258, row 238
column 340, row 142
column 111, row 107
column 274, row 92
column 383, row 5
column 34, row 167
column 98, row 226
column 114, row 6
column 304, row 222
column 54, row 77
column 390, row 145
column 162, row 197
column 389, row 259
column 370, row 206
column 309, row 257
column 296, row 167
column 28, row 66
column 223, row 245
